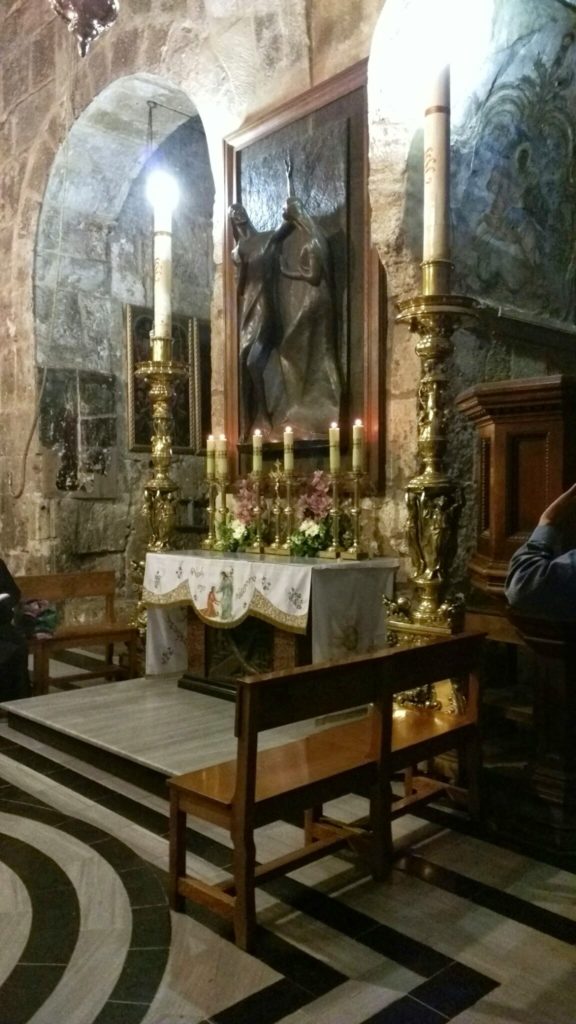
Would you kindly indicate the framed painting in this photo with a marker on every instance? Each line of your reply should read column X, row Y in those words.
column 191, row 395
column 304, row 290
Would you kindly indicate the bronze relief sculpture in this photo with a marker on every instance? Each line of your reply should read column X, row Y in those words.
column 288, row 338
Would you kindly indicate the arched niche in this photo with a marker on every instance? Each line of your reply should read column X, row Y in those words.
column 93, row 262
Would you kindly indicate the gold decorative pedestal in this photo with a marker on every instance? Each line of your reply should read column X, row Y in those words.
column 433, row 499
column 161, row 492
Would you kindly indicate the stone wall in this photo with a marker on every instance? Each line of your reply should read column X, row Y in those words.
column 512, row 190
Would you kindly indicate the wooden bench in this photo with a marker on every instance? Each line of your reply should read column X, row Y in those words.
column 359, row 756
column 106, row 632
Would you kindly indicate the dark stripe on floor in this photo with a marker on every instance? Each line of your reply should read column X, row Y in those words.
column 501, row 902
column 53, row 932
column 147, row 957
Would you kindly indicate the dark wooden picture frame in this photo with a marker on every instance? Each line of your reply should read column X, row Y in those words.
column 255, row 177
column 191, row 398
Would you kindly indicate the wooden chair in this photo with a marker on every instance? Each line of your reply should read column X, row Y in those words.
column 300, row 776
column 106, row 632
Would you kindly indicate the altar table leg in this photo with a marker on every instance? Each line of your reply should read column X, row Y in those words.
column 196, row 644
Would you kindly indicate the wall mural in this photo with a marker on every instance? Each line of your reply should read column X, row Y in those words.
column 515, row 193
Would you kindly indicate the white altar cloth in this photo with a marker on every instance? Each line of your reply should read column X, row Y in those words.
column 344, row 599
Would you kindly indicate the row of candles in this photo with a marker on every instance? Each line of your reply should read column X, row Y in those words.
column 217, row 451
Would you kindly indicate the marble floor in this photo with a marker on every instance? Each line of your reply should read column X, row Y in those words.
column 463, row 930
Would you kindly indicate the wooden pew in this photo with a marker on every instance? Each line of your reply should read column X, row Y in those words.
column 358, row 756
column 106, row 632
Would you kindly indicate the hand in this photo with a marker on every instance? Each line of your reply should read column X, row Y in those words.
column 560, row 510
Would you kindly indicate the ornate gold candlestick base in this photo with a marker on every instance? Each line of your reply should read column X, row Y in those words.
column 355, row 552
column 209, row 541
column 433, row 499
column 257, row 547
column 288, row 514
column 221, row 514
column 334, row 550
column 276, row 547
column 161, row 492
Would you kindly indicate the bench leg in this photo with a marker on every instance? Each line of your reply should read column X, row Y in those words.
column 311, row 816
column 41, row 672
column 470, row 759
column 177, row 853
column 381, row 827
column 245, row 903
column 132, row 659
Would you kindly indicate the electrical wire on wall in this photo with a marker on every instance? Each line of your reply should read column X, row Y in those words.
column 69, row 118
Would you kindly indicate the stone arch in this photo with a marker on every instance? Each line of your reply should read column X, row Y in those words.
column 93, row 255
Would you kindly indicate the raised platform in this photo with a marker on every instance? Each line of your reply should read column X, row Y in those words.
column 142, row 730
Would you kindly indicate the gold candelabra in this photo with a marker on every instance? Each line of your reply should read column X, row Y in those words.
column 433, row 498
column 161, row 492
column 355, row 551
column 257, row 546
column 276, row 547
column 334, row 550
column 209, row 542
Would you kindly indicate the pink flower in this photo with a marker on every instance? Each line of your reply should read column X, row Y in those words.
column 316, row 501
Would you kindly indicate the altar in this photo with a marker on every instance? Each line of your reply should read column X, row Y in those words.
column 337, row 604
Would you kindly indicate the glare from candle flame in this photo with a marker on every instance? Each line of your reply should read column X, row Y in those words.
column 162, row 190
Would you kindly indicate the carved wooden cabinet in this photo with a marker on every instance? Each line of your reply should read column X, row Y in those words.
column 526, row 456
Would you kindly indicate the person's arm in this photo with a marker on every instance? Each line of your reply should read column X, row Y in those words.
column 541, row 578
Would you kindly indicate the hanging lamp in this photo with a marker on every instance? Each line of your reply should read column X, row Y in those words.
column 86, row 19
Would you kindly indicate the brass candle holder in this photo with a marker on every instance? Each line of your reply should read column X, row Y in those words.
column 355, row 551
column 288, row 513
column 161, row 492
column 334, row 550
column 221, row 514
column 209, row 541
column 257, row 547
column 277, row 477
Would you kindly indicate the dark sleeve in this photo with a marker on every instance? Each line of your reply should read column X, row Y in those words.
column 541, row 579
column 8, row 584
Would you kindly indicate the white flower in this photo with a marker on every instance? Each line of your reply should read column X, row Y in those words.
column 310, row 527
column 238, row 529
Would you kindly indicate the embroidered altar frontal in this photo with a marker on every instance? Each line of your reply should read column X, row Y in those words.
column 344, row 600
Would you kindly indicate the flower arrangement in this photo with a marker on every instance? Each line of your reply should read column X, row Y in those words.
column 239, row 531
column 314, row 532
column 314, row 522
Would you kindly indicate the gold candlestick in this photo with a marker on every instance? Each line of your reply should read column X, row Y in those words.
column 221, row 513
column 355, row 550
column 210, row 540
column 288, row 514
column 277, row 476
column 334, row 550
column 161, row 492
column 257, row 547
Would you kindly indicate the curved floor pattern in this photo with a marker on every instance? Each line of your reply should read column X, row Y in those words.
column 100, row 926
column 87, row 937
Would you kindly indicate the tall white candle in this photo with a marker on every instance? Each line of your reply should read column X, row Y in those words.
column 210, row 459
column 162, row 191
column 221, row 457
column 358, row 446
column 288, row 450
column 436, row 212
column 334, row 441
column 162, row 271
column 257, row 451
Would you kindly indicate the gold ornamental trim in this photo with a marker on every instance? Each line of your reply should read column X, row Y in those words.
column 260, row 607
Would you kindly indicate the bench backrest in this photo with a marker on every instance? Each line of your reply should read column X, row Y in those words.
column 282, row 698
column 65, row 586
